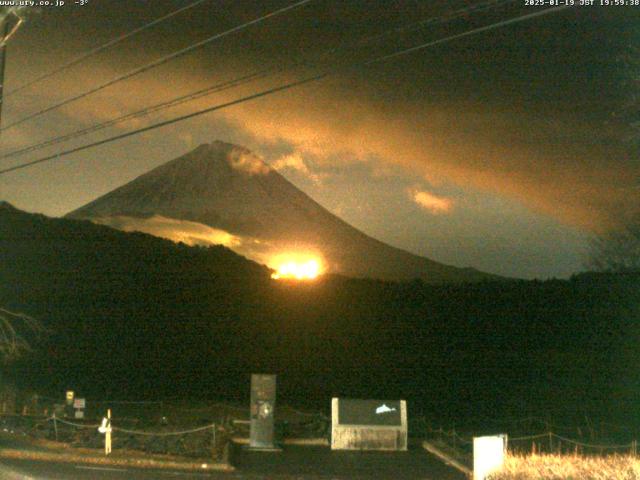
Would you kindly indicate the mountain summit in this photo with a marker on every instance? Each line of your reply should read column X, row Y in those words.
column 221, row 193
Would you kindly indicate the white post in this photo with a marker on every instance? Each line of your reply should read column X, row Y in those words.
column 334, row 423
column 107, row 436
column 105, row 428
column 488, row 455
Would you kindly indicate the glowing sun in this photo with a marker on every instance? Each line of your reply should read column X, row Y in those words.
column 297, row 269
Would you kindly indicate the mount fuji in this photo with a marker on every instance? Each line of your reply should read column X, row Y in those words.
column 221, row 193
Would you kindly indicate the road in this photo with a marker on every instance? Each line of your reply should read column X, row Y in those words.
column 35, row 470
column 294, row 463
column 322, row 463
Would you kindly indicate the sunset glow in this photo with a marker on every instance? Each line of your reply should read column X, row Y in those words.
column 297, row 269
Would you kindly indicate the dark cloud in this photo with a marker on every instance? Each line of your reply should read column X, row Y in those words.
column 520, row 113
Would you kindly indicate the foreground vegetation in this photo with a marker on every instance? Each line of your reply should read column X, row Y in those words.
column 569, row 467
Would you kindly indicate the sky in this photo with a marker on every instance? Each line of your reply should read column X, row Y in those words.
column 502, row 150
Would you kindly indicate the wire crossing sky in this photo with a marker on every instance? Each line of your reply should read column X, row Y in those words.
column 244, row 79
column 280, row 88
column 100, row 48
column 156, row 63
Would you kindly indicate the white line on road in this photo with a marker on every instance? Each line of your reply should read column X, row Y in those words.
column 106, row 469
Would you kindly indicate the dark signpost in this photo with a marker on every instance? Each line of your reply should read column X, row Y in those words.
column 263, row 404
column 68, row 405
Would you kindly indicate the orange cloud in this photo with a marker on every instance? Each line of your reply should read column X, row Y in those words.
column 190, row 233
column 562, row 173
column 247, row 163
column 574, row 179
column 431, row 202
column 193, row 233
column 295, row 161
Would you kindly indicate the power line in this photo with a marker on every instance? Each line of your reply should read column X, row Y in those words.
column 246, row 79
column 102, row 47
column 493, row 26
column 452, row 15
column 169, row 122
column 156, row 63
column 145, row 111
column 284, row 87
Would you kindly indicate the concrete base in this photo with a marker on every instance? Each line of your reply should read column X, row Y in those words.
column 316, row 442
column 273, row 449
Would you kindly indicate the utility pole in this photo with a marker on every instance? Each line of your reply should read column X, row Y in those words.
column 3, row 62
column 7, row 32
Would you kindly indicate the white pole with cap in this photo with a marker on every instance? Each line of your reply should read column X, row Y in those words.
column 105, row 428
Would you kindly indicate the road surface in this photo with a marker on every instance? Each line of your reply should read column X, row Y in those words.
column 36, row 470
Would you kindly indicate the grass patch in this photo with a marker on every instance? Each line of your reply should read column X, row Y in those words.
column 121, row 459
column 24, row 448
column 569, row 467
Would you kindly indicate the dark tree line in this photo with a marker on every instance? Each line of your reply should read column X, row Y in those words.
column 133, row 316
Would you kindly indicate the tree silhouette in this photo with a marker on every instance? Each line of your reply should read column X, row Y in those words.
column 15, row 328
column 627, row 113
column 618, row 250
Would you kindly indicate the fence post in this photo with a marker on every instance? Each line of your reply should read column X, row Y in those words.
column 55, row 425
column 213, row 441
column 634, row 447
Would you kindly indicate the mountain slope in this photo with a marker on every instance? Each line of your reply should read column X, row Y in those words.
column 222, row 191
